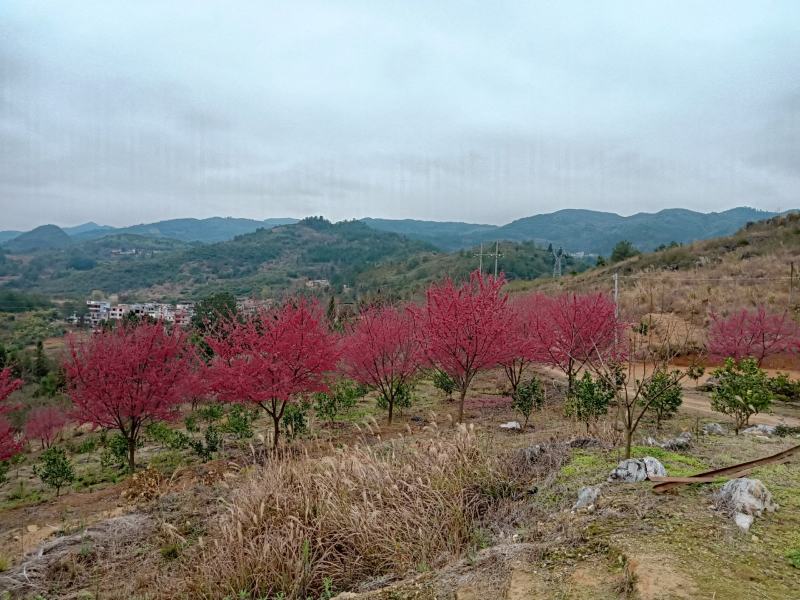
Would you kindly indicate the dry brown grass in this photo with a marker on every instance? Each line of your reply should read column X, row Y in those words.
column 359, row 514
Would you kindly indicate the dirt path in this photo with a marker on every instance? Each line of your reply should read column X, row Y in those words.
column 695, row 401
column 698, row 402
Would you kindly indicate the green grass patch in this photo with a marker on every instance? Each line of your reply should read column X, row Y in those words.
column 794, row 557
column 584, row 463
column 676, row 464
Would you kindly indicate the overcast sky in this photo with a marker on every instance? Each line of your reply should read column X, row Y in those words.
column 136, row 111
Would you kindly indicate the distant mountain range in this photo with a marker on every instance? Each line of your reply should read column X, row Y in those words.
column 578, row 230
column 207, row 231
column 575, row 230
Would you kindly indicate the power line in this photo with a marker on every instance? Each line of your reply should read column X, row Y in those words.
column 728, row 279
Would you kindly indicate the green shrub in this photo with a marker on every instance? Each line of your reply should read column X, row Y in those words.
column 528, row 397
column 784, row 389
column 211, row 442
column 210, row 413
column 295, row 420
column 340, row 398
column 589, row 399
column 742, row 392
column 239, row 422
column 170, row 438
column 443, row 382
column 662, row 393
column 794, row 557
column 403, row 398
column 115, row 451
column 55, row 469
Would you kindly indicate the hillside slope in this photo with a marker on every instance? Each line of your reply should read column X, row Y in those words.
column 45, row 237
column 447, row 235
column 746, row 269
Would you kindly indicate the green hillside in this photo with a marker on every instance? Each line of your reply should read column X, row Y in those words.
column 45, row 237
column 265, row 262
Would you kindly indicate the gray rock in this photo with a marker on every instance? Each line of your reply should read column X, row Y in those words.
column 585, row 442
column 634, row 470
column 713, row 429
column 511, row 426
column 760, row 430
column 587, row 497
column 682, row 442
column 745, row 499
column 532, row 454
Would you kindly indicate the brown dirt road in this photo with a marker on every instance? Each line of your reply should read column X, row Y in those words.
column 695, row 401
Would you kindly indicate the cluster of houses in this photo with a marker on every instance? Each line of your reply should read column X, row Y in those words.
column 100, row 311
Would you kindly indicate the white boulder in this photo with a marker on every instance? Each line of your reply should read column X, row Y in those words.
column 633, row 470
column 511, row 426
column 587, row 497
column 746, row 499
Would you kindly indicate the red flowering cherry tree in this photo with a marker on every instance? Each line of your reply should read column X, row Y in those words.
column 44, row 423
column 9, row 444
column 522, row 348
column 382, row 352
column 127, row 377
column 576, row 330
column 272, row 357
column 463, row 328
column 753, row 334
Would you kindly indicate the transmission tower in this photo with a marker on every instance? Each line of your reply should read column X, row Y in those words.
column 558, row 256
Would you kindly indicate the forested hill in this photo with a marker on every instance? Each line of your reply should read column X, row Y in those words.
column 265, row 263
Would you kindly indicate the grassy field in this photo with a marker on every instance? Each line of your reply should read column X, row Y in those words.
column 421, row 509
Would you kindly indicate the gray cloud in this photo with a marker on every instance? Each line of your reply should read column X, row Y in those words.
column 127, row 112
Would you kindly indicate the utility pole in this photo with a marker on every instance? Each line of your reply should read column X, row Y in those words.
column 496, row 256
column 480, row 256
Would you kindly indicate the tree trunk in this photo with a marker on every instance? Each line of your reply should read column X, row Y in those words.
column 628, row 441
column 391, row 409
column 131, row 454
column 276, row 422
column 461, row 405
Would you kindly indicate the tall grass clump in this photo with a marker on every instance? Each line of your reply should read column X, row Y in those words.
column 346, row 518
